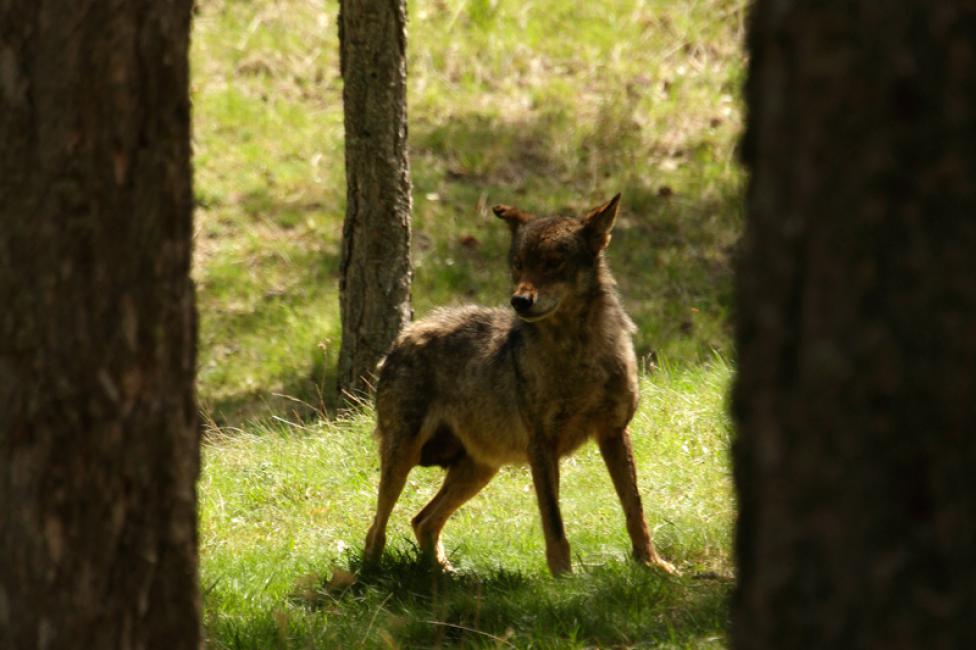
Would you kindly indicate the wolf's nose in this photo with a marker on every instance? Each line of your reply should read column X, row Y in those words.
column 521, row 303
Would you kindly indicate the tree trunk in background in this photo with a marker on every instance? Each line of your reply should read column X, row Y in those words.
column 855, row 400
column 374, row 288
column 99, row 435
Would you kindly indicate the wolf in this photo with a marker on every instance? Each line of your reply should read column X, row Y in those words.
column 471, row 388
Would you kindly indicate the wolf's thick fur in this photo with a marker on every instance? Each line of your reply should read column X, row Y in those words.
column 472, row 389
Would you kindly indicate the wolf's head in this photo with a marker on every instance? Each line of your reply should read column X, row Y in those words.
column 555, row 261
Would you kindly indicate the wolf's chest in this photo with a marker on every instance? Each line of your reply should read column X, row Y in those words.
column 578, row 380
column 574, row 401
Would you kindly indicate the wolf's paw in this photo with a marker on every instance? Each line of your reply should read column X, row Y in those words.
column 655, row 561
column 445, row 567
column 436, row 560
column 663, row 565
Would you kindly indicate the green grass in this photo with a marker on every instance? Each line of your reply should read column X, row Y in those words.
column 283, row 506
column 548, row 105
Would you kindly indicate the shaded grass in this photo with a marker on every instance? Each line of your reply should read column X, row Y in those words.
column 407, row 605
column 284, row 510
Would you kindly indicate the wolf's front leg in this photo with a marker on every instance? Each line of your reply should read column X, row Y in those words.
column 619, row 457
column 545, row 477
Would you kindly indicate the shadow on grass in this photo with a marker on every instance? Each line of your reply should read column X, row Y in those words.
column 302, row 399
column 244, row 339
column 404, row 601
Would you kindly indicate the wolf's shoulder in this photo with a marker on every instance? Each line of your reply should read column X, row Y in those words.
column 461, row 320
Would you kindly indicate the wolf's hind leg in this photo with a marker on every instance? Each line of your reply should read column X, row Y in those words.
column 398, row 455
column 464, row 480
column 619, row 458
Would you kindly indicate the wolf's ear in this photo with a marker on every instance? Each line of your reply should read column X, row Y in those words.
column 598, row 222
column 513, row 216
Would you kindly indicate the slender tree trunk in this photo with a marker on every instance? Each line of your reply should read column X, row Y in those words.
column 98, row 427
column 855, row 401
column 374, row 289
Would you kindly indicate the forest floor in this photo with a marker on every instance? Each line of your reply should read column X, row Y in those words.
column 547, row 105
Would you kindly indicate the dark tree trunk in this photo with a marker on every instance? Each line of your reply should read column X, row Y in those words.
column 98, row 427
column 855, row 401
column 374, row 288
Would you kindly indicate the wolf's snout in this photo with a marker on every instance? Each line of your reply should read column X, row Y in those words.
column 522, row 303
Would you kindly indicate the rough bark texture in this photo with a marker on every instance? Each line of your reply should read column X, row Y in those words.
column 856, row 394
column 375, row 269
column 98, row 427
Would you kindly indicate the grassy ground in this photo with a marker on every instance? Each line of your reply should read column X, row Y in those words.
column 285, row 509
column 547, row 105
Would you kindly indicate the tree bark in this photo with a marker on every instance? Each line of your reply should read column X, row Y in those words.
column 374, row 287
column 99, row 435
column 856, row 299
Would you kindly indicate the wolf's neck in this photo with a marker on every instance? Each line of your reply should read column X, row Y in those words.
column 592, row 321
